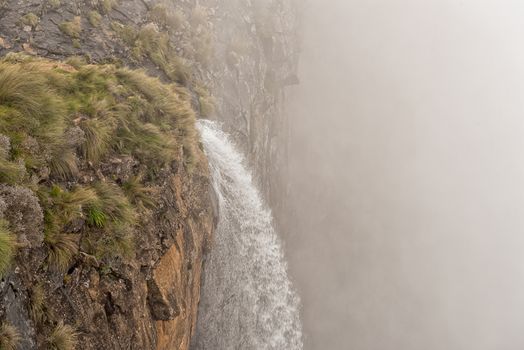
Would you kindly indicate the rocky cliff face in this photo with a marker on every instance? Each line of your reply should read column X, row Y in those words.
column 256, row 59
column 232, row 59
column 106, row 208
column 244, row 52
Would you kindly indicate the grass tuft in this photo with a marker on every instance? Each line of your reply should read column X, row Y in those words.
column 138, row 194
column 96, row 217
column 30, row 19
column 171, row 105
column 206, row 101
column 63, row 247
column 37, row 303
column 7, row 247
column 9, row 337
column 76, row 61
column 71, row 204
column 21, row 89
column 54, row 3
column 127, row 33
column 108, row 5
column 113, row 203
column 172, row 20
column 94, row 18
column 157, row 47
column 120, row 243
column 72, row 28
column 98, row 133
column 63, row 337
column 11, row 172
column 64, row 164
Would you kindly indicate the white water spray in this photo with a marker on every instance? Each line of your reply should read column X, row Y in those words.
column 247, row 300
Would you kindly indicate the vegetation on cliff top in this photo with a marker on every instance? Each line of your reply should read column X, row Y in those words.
column 64, row 122
column 87, row 142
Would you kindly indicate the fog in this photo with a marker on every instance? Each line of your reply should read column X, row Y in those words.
column 406, row 200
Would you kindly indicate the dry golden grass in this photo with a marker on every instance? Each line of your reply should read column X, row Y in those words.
column 63, row 337
column 9, row 337
column 37, row 302
column 7, row 247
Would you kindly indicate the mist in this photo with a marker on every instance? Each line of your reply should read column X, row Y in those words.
column 405, row 206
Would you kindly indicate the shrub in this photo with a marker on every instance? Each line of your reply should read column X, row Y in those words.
column 72, row 28
column 9, row 337
column 7, row 247
column 63, row 337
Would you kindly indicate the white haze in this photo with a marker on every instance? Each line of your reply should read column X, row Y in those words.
column 406, row 205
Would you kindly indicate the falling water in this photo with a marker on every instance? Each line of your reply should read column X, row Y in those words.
column 247, row 300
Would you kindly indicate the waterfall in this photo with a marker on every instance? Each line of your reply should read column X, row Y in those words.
column 247, row 300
